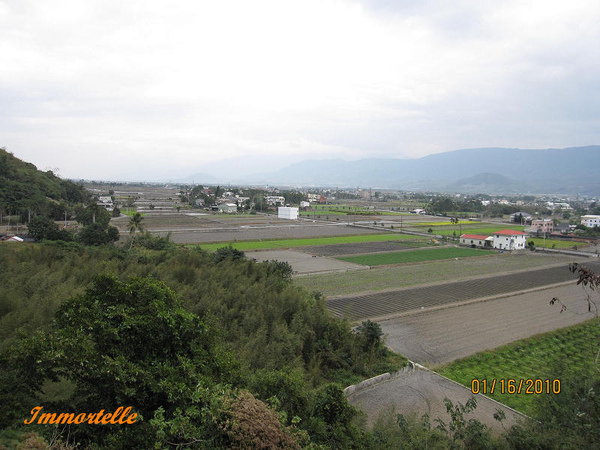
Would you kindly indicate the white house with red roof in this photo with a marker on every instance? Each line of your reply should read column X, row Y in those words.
column 510, row 240
column 501, row 240
column 477, row 240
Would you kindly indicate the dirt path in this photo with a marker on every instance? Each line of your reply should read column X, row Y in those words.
column 423, row 392
column 303, row 263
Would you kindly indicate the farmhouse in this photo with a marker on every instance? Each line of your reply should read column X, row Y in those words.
column 510, row 240
column 502, row 240
column 287, row 213
column 590, row 221
column 542, row 226
column 275, row 199
column 476, row 240
column 227, row 208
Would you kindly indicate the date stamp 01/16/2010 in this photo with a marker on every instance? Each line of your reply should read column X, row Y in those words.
column 529, row 386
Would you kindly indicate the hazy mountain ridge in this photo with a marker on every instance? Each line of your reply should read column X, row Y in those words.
column 570, row 170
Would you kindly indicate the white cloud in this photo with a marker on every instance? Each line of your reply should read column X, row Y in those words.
column 201, row 81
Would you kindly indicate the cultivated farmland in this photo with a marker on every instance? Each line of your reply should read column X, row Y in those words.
column 443, row 335
column 317, row 243
column 393, row 277
column 415, row 256
column 361, row 307
column 363, row 247
column 537, row 357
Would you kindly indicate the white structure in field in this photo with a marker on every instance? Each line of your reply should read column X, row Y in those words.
column 285, row 212
column 274, row 199
column 590, row 221
column 227, row 208
column 477, row 240
column 510, row 240
column 501, row 240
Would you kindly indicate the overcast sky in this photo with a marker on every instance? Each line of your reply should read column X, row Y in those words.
column 113, row 89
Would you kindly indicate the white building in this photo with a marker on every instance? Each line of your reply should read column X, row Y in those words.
column 274, row 199
column 227, row 208
column 284, row 212
column 477, row 240
column 590, row 221
column 304, row 204
column 510, row 240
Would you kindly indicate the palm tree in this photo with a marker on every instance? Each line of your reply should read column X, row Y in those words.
column 94, row 207
column 135, row 224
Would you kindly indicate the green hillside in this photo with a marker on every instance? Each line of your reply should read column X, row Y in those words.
column 23, row 187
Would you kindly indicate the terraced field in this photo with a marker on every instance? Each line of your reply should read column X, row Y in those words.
column 382, row 304
column 361, row 248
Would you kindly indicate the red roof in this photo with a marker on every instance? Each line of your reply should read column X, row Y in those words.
column 510, row 232
column 474, row 236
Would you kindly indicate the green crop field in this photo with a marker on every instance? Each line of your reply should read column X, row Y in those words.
column 534, row 358
column 415, row 256
column 324, row 212
column 391, row 277
column 350, row 212
column 289, row 243
column 555, row 243
column 477, row 229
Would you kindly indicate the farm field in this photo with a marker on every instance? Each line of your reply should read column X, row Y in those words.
column 555, row 243
column 442, row 336
column 385, row 277
column 362, row 307
column 290, row 243
column 268, row 232
column 416, row 256
column 304, row 263
column 537, row 357
column 477, row 229
column 363, row 247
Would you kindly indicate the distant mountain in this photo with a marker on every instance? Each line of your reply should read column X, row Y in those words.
column 569, row 170
column 199, row 178
column 486, row 183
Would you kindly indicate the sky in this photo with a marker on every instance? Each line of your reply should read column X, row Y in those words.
column 155, row 90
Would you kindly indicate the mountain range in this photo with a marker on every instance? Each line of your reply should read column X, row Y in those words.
column 569, row 171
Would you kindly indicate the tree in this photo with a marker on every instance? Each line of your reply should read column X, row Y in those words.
column 89, row 215
column 370, row 334
column 94, row 208
column 96, row 234
column 124, row 343
column 40, row 228
column 228, row 253
column 135, row 224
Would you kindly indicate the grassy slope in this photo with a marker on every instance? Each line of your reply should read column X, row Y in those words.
column 415, row 256
column 381, row 278
column 531, row 358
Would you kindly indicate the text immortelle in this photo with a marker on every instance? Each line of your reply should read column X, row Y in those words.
column 119, row 417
